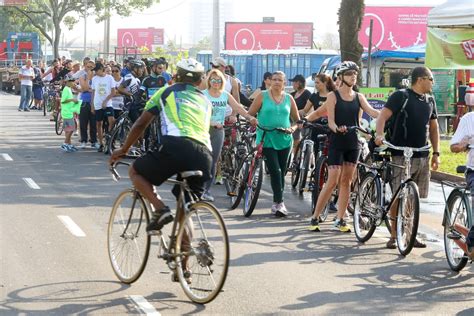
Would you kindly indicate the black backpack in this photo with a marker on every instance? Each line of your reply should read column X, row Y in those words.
column 398, row 120
column 397, row 124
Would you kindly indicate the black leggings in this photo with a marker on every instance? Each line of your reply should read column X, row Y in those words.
column 277, row 161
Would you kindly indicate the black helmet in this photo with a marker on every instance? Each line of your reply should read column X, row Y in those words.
column 136, row 64
column 345, row 66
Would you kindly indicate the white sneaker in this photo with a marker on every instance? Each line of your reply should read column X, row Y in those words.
column 83, row 145
column 281, row 210
column 207, row 197
column 274, row 208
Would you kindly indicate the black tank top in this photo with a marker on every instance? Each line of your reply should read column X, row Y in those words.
column 346, row 113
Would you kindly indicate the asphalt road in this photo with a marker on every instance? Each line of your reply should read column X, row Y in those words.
column 276, row 267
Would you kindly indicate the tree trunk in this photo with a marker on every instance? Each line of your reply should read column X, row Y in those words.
column 57, row 37
column 351, row 14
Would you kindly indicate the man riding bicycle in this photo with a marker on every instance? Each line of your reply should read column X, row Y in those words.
column 185, row 115
column 155, row 80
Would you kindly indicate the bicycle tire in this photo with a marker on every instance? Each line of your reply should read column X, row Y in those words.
column 45, row 100
column 58, row 124
column 304, row 171
column 295, row 170
column 457, row 201
column 237, row 184
column 128, row 271
column 208, row 250
column 252, row 191
column 118, row 135
column 369, row 197
column 407, row 217
column 320, row 177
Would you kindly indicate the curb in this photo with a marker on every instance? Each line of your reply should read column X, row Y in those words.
column 441, row 176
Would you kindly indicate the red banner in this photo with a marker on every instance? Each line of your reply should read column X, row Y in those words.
column 140, row 38
column 394, row 27
column 256, row 36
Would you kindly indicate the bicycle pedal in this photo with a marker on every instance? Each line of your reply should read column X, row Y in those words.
column 154, row 233
column 454, row 236
column 231, row 194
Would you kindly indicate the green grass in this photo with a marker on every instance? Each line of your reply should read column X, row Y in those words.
column 449, row 160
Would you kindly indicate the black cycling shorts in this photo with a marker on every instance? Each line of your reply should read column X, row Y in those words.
column 174, row 155
column 337, row 157
column 103, row 113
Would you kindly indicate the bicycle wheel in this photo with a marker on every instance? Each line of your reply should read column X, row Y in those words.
column 252, row 187
column 236, row 184
column 407, row 217
column 127, row 241
column 58, row 124
column 118, row 135
column 45, row 100
column 320, row 177
column 368, row 201
column 457, row 213
column 295, row 168
column 304, row 170
column 202, row 249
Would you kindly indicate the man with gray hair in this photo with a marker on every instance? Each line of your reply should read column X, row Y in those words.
column 26, row 74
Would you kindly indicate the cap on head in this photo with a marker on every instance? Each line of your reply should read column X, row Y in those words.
column 299, row 78
column 218, row 62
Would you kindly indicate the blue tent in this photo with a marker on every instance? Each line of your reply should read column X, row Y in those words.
column 413, row 52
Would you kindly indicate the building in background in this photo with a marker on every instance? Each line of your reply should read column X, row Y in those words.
column 200, row 21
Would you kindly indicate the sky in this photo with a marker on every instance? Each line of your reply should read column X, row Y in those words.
column 172, row 16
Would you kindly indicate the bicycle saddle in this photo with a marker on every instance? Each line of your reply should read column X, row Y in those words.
column 191, row 173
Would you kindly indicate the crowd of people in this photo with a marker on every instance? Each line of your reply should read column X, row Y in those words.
column 193, row 107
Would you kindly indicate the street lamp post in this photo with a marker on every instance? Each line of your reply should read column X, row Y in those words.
column 85, row 29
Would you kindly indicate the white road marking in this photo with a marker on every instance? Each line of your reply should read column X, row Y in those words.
column 7, row 157
column 144, row 305
column 73, row 228
column 32, row 184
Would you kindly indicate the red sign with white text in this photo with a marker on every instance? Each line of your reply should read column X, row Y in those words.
column 140, row 37
column 256, row 36
column 394, row 27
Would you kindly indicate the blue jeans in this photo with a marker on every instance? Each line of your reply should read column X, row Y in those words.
column 25, row 93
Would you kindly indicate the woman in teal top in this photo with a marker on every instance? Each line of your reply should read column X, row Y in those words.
column 276, row 108
column 219, row 99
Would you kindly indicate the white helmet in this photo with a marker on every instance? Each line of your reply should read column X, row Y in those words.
column 189, row 67
column 345, row 66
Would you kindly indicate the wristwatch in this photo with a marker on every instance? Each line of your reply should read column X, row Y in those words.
column 436, row 153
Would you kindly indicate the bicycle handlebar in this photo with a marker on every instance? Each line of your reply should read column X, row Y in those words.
column 403, row 148
column 279, row 129
column 113, row 169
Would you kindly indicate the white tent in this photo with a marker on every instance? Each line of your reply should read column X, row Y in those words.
column 452, row 13
column 450, row 37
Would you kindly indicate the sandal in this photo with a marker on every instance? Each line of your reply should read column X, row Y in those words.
column 391, row 243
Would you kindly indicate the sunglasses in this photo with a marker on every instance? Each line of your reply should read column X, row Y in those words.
column 115, row 71
column 350, row 73
column 215, row 80
column 429, row 78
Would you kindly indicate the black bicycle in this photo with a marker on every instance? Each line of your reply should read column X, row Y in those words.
column 196, row 249
column 373, row 202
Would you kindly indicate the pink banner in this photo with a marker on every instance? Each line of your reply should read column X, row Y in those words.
column 140, row 37
column 394, row 27
column 256, row 36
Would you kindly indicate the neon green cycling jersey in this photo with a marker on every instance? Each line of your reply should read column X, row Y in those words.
column 184, row 112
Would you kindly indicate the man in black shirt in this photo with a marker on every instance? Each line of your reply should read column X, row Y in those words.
column 421, row 121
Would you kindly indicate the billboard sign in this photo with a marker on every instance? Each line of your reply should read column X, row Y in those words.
column 394, row 27
column 13, row 2
column 144, row 37
column 256, row 36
